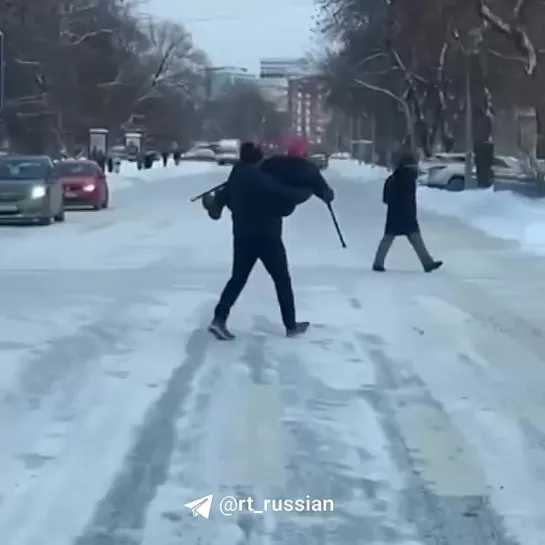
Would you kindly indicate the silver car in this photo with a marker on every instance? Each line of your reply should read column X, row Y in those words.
column 30, row 191
column 227, row 158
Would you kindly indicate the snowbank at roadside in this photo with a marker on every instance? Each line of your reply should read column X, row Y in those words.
column 500, row 214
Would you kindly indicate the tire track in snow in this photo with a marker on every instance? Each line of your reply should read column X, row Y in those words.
column 440, row 518
column 336, row 447
column 120, row 516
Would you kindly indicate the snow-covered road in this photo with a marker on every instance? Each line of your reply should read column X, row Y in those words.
column 415, row 402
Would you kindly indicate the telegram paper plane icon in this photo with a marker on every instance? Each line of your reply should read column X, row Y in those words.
column 201, row 506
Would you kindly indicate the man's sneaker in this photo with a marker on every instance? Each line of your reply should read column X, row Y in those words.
column 433, row 266
column 299, row 329
column 379, row 268
column 220, row 331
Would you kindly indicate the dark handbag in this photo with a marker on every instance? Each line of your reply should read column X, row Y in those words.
column 212, row 206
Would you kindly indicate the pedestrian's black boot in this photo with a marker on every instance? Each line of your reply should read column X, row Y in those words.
column 220, row 331
column 433, row 266
column 379, row 268
column 299, row 329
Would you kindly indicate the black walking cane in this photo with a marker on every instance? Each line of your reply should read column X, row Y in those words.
column 336, row 223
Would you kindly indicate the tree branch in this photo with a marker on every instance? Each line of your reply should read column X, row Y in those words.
column 78, row 40
column 513, row 31
column 23, row 62
column 403, row 103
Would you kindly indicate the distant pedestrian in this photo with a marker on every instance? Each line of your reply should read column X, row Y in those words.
column 164, row 156
column 176, row 155
column 399, row 195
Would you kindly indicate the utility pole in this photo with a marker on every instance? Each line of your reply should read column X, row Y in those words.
column 373, row 138
column 474, row 38
column 468, row 174
column 2, row 82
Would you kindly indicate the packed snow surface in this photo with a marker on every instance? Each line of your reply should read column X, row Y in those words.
column 415, row 402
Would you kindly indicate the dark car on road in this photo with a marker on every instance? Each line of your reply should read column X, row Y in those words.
column 30, row 190
column 84, row 184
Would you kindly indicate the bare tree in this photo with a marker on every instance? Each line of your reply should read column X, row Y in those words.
column 75, row 64
column 413, row 60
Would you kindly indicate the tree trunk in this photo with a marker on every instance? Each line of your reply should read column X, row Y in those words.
column 483, row 146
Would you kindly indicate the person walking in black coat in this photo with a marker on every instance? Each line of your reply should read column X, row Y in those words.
column 399, row 195
column 258, row 203
column 176, row 155
column 164, row 157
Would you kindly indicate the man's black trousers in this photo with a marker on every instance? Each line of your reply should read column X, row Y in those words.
column 246, row 251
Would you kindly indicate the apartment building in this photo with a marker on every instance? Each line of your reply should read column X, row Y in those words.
column 307, row 108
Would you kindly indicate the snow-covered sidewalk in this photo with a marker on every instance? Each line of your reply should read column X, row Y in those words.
column 500, row 214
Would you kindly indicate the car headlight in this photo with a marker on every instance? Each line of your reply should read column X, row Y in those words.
column 89, row 187
column 38, row 192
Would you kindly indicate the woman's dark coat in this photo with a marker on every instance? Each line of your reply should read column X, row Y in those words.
column 400, row 197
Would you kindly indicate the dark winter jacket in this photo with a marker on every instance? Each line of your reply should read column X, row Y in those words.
column 399, row 195
column 258, row 201
column 298, row 172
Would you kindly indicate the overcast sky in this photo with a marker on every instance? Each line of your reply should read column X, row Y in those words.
column 239, row 32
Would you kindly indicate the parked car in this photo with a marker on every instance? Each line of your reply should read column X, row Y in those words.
column 341, row 155
column 212, row 146
column 320, row 159
column 199, row 154
column 227, row 158
column 30, row 189
column 227, row 151
column 83, row 183
column 439, row 160
column 452, row 176
column 203, row 144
